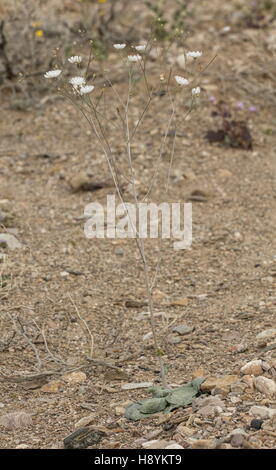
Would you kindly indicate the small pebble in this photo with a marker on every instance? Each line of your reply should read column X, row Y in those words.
column 22, row 446
column 119, row 252
column 256, row 423
column 237, row 440
column 183, row 329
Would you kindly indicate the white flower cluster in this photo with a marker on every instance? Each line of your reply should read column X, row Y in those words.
column 52, row 73
column 79, row 85
column 194, row 54
column 86, row 89
column 181, row 80
column 77, row 82
column 141, row 48
column 196, row 91
column 134, row 58
column 75, row 59
column 119, row 46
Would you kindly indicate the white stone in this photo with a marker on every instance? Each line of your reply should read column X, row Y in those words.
column 252, row 368
column 133, row 385
column 10, row 240
column 265, row 386
column 238, row 431
column 262, row 412
column 174, row 446
column 266, row 333
column 119, row 410
column 157, row 444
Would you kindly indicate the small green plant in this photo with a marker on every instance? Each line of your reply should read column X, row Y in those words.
column 164, row 27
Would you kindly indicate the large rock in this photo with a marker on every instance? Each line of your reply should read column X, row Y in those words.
column 222, row 383
column 252, row 368
column 83, row 438
column 262, row 412
column 9, row 240
column 236, row 437
column 183, row 329
column 267, row 334
column 265, row 386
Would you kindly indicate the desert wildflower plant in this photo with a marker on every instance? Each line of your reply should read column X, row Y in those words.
column 127, row 113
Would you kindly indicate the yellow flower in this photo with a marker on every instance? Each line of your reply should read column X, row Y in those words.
column 39, row 33
column 101, row 1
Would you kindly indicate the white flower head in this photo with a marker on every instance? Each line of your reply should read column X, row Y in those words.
column 119, row 46
column 141, row 48
column 181, row 80
column 77, row 82
column 75, row 59
column 134, row 58
column 86, row 89
column 52, row 73
column 194, row 54
column 196, row 91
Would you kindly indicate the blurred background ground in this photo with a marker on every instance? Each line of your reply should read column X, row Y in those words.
column 223, row 288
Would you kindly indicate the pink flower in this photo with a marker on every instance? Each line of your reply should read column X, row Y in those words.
column 252, row 109
column 240, row 105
